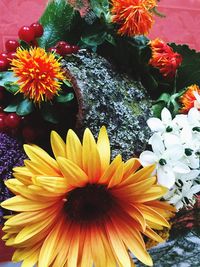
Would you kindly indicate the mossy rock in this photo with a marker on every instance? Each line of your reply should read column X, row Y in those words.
column 106, row 97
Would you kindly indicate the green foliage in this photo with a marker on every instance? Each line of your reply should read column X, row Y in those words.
column 8, row 80
column 25, row 107
column 56, row 20
column 65, row 98
column 189, row 71
column 169, row 101
column 100, row 8
column 49, row 113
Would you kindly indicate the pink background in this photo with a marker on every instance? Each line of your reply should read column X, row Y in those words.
column 182, row 24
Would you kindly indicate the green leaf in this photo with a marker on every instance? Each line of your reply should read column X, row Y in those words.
column 25, row 107
column 100, row 8
column 10, row 87
column 157, row 108
column 164, row 97
column 12, row 107
column 8, row 78
column 24, row 44
column 49, row 113
column 56, row 20
column 65, row 98
column 189, row 71
column 110, row 39
column 67, row 83
column 94, row 39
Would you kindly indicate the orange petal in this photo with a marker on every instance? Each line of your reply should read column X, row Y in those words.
column 130, row 167
column 111, row 170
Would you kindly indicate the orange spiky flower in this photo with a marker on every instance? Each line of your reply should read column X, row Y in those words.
column 188, row 99
column 39, row 74
column 164, row 58
column 79, row 209
column 133, row 16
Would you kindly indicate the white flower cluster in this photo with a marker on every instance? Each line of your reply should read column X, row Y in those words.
column 176, row 152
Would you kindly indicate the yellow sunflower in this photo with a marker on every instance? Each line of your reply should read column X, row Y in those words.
column 39, row 73
column 80, row 210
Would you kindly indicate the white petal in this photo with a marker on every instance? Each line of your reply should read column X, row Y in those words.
column 193, row 174
column 194, row 190
column 155, row 125
column 157, row 144
column 197, row 96
column 147, row 158
column 175, row 152
column 193, row 116
column 166, row 176
column 171, row 140
column 180, row 167
column 166, row 116
column 181, row 120
column 193, row 162
column 186, row 134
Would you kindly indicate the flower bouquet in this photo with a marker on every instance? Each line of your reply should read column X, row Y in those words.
column 127, row 178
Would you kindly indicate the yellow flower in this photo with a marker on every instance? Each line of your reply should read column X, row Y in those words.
column 38, row 73
column 133, row 16
column 79, row 209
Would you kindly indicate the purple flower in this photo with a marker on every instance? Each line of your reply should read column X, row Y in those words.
column 11, row 155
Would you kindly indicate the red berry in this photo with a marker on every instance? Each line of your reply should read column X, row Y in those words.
column 3, row 64
column 11, row 56
column 29, row 134
column 2, row 121
column 37, row 28
column 53, row 50
column 3, row 55
column 11, row 45
column 26, row 34
column 75, row 48
column 66, row 50
column 12, row 120
column 60, row 44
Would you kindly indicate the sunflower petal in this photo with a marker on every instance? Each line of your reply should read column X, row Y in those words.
column 58, row 145
column 74, row 148
column 42, row 158
column 109, row 172
column 103, row 146
column 73, row 174
column 91, row 158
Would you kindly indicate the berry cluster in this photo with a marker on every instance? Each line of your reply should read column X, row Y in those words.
column 15, row 125
column 63, row 48
column 9, row 54
column 29, row 34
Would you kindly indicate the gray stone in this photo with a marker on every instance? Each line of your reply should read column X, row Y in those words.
column 106, row 97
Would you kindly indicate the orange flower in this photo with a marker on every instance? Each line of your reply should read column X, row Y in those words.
column 164, row 58
column 133, row 16
column 79, row 209
column 38, row 72
column 188, row 99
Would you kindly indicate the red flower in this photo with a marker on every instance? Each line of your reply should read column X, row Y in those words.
column 188, row 99
column 133, row 16
column 164, row 58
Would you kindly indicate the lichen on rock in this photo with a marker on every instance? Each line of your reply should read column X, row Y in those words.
column 107, row 97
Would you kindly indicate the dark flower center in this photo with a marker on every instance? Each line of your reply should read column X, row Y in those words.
column 89, row 203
